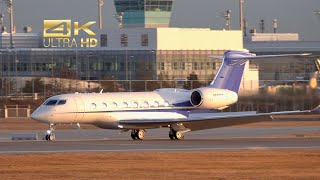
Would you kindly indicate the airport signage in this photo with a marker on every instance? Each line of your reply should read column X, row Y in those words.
column 66, row 34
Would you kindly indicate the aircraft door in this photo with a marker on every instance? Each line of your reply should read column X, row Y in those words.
column 80, row 109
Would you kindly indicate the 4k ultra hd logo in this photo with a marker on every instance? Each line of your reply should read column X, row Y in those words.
column 65, row 33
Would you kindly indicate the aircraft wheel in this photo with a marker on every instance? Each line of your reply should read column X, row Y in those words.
column 47, row 137
column 175, row 135
column 171, row 136
column 140, row 134
column 178, row 135
column 50, row 137
column 133, row 135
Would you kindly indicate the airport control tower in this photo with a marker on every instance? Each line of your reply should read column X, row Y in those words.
column 144, row 13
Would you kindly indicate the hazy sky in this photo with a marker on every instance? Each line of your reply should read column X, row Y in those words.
column 292, row 15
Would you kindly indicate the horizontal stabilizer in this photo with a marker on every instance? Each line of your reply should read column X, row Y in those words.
column 254, row 56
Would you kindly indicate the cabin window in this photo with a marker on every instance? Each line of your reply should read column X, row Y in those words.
column 166, row 103
column 156, row 104
column 93, row 105
column 114, row 105
column 135, row 105
column 125, row 105
column 145, row 104
column 51, row 102
column 104, row 105
column 61, row 102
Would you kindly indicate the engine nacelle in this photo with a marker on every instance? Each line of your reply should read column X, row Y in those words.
column 211, row 98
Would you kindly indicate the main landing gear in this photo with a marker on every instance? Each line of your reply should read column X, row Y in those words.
column 137, row 134
column 175, row 135
column 50, row 136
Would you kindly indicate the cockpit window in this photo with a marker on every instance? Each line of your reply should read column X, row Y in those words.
column 61, row 102
column 51, row 102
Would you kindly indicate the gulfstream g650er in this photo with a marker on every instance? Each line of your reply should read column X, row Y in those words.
column 171, row 108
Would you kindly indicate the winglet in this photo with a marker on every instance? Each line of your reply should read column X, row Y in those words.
column 317, row 109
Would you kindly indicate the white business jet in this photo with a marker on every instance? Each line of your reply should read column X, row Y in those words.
column 170, row 108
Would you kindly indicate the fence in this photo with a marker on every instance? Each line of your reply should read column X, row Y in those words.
column 263, row 96
column 52, row 87
column 15, row 111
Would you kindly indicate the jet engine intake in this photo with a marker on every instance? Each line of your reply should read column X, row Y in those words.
column 211, row 98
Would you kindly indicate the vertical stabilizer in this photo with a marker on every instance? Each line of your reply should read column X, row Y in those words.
column 230, row 73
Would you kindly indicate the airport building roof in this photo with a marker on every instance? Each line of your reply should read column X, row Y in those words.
column 284, row 46
column 171, row 39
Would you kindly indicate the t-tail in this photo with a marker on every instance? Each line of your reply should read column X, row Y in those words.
column 230, row 73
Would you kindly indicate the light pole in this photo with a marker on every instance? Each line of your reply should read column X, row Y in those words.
column 1, row 68
column 100, row 4
column 16, row 70
column 317, row 12
column 52, row 66
column 76, row 68
column 126, row 65
column 77, row 71
column 241, row 14
column 130, row 72
column 119, row 18
column 227, row 16
column 88, row 70
column 130, row 68
column 10, row 10
column 154, row 60
column 9, row 68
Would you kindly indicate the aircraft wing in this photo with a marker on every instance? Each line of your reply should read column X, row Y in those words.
column 198, row 123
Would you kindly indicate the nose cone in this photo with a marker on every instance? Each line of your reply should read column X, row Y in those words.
column 40, row 115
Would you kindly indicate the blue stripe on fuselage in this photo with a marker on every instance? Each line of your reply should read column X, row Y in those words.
column 185, row 112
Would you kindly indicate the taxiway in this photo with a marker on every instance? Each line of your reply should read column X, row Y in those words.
column 157, row 140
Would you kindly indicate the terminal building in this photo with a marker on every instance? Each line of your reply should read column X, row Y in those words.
column 283, row 68
column 145, row 47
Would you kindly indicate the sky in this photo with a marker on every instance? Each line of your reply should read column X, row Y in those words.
column 294, row 16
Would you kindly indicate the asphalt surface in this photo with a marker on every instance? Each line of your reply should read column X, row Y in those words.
column 157, row 140
column 102, row 134
column 158, row 145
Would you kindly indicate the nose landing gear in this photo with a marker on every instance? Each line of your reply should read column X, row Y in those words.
column 50, row 136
